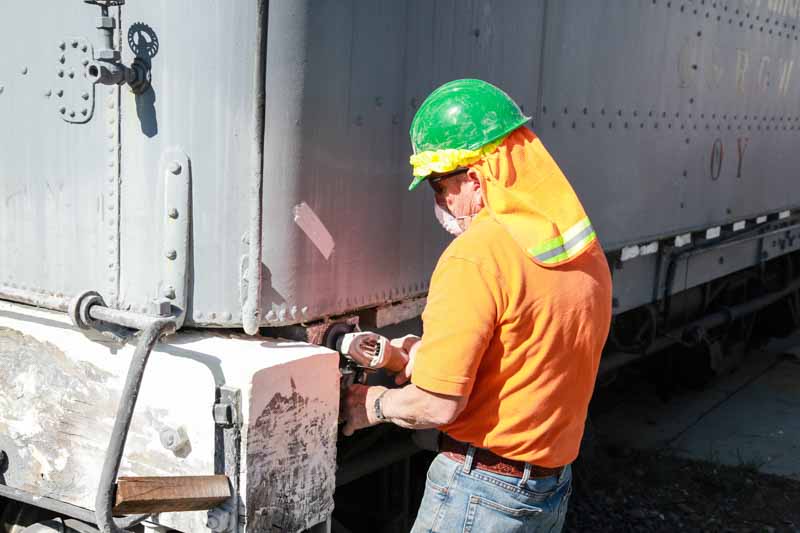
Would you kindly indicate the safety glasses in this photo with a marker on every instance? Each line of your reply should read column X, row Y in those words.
column 436, row 181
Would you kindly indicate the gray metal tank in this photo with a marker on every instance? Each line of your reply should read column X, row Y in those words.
column 668, row 117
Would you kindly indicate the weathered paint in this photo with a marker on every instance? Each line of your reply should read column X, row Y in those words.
column 59, row 393
column 285, row 450
column 689, row 115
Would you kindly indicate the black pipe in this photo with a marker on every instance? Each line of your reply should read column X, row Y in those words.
column 616, row 360
column 104, row 501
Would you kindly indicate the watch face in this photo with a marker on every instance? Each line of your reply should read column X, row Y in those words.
column 378, row 408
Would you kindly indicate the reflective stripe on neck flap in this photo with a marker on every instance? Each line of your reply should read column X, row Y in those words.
column 566, row 246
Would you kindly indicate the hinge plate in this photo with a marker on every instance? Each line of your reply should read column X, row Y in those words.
column 175, row 170
column 227, row 457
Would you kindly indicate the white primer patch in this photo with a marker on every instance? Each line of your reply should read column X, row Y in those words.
column 784, row 214
column 315, row 230
column 739, row 226
column 630, row 252
column 761, row 219
column 683, row 240
column 647, row 249
column 713, row 233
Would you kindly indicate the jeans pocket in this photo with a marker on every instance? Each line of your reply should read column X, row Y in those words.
column 433, row 501
column 487, row 516
column 561, row 513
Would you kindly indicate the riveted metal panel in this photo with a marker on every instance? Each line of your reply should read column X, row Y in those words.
column 343, row 82
column 201, row 104
column 58, row 169
column 672, row 116
column 667, row 116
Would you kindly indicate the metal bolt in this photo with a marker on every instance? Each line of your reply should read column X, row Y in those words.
column 62, row 45
column 60, row 72
column 161, row 307
column 173, row 213
column 71, row 74
column 62, row 59
column 84, row 48
column 72, row 113
column 74, row 44
column 174, row 167
column 169, row 292
column 85, row 62
column 212, row 522
column 2, row 89
column 223, row 414
column 48, row 93
column 84, row 112
column 60, row 93
column 172, row 254
column 85, row 96
column 24, row 70
column 62, row 109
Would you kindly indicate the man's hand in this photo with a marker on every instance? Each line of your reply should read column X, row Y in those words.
column 358, row 408
column 410, row 344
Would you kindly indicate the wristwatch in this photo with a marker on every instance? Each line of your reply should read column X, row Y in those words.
column 378, row 408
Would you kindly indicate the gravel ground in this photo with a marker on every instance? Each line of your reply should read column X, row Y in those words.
column 619, row 489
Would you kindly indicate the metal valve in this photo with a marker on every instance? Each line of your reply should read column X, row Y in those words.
column 107, row 69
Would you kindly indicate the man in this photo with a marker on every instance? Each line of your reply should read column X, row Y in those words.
column 518, row 311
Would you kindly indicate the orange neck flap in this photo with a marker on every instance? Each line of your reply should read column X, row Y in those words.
column 526, row 192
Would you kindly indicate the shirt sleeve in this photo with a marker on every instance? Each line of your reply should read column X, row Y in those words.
column 458, row 323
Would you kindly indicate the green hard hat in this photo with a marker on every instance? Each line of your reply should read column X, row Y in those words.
column 463, row 115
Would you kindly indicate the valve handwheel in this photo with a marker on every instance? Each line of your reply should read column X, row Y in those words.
column 106, row 3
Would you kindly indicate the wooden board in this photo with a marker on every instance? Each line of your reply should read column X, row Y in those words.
column 168, row 494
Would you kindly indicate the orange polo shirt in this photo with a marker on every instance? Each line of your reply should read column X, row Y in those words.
column 522, row 341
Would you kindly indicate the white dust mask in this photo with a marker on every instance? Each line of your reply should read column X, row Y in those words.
column 449, row 222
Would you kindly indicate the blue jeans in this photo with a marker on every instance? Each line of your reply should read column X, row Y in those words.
column 459, row 498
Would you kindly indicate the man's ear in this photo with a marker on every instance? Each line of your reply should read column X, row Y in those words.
column 474, row 176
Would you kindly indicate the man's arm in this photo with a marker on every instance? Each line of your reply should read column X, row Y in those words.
column 409, row 407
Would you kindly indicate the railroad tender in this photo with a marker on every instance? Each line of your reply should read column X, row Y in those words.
column 197, row 202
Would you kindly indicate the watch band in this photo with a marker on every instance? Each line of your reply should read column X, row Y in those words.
column 378, row 408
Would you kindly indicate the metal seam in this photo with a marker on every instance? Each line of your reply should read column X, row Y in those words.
column 251, row 306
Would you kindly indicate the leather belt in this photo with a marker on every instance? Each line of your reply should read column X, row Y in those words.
column 491, row 462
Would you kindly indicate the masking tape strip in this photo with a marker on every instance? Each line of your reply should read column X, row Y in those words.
column 629, row 252
column 683, row 240
column 315, row 230
column 647, row 249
